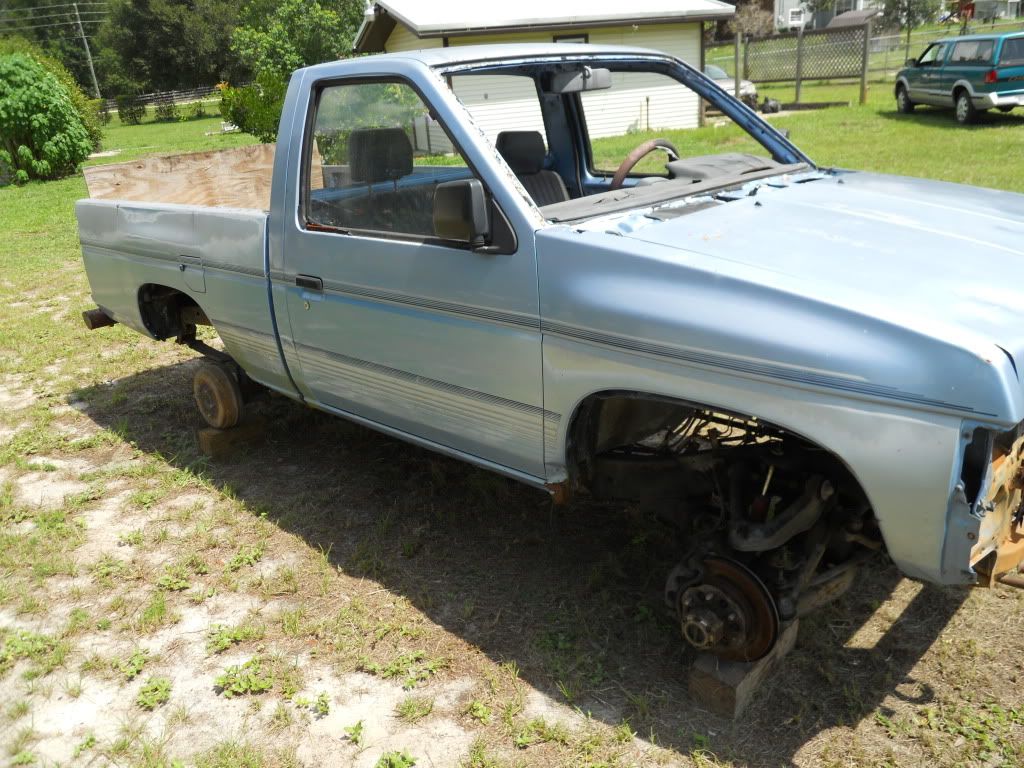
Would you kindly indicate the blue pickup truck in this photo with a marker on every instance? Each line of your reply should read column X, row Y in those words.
column 794, row 366
column 968, row 74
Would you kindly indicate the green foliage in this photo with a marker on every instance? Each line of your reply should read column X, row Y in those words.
column 130, row 110
column 255, row 109
column 395, row 760
column 245, row 679
column 412, row 666
column 479, row 711
column 154, row 693
column 42, row 135
column 909, row 14
column 222, row 637
column 322, row 705
column 88, row 109
column 162, row 45
column 166, row 111
column 44, row 651
column 280, row 37
column 414, row 708
column 131, row 667
column 354, row 733
column 243, row 557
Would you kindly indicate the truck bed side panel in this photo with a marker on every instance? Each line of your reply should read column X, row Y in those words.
column 216, row 256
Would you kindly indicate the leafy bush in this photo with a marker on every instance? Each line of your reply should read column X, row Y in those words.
column 42, row 135
column 255, row 109
column 167, row 110
column 88, row 109
column 130, row 110
column 196, row 110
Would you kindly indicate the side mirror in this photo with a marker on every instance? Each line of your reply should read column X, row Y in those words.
column 460, row 212
column 911, row 62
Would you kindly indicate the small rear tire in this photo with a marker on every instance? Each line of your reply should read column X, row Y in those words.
column 1004, row 110
column 217, row 395
column 903, row 103
column 965, row 111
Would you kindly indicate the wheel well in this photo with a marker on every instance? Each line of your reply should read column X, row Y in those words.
column 167, row 312
column 958, row 90
column 615, row 434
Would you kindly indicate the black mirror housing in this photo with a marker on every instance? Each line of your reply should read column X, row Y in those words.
column 910, row 62
column 460, row 212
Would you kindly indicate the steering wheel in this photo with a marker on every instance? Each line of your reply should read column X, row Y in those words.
column 639, row 154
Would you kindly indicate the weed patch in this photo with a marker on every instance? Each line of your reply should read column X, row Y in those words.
column 154, row 693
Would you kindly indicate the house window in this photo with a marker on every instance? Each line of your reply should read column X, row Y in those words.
column 584, row 38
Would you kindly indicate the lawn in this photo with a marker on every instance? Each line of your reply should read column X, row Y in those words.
column 329, row 596
column 871, row 137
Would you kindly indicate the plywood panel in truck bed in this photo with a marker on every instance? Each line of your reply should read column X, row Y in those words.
column 226, row 178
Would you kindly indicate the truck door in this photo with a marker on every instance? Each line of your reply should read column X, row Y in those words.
column 925, row 79
column 389, row 322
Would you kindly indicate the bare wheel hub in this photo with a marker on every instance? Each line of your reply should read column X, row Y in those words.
column 730, row 613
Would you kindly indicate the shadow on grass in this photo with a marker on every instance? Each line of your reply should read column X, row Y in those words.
column 572, row 596
column 936, row 117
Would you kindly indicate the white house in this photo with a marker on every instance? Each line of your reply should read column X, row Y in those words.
column 499, row 103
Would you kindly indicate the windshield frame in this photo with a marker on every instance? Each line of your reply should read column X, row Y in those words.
column 787, row 155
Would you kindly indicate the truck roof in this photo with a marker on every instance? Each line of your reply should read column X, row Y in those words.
column 980, row 36
column 464, row 54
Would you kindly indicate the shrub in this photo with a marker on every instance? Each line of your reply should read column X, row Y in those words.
column 255, row 109
column 42, row 135
column 196, row 110
column 88, row 109
column 130, row 110
column 166, row 110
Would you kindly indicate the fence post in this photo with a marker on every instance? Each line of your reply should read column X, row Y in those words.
column 864, row 64
column 746, row 58
column 736, row 66
column 799, row 61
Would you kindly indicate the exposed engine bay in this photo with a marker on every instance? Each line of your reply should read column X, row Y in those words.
column 773, row 526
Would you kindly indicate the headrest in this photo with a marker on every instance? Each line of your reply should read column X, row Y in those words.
column 379, row 154
column 523, row 151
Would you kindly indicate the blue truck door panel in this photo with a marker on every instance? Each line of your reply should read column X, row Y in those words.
column 391, row 324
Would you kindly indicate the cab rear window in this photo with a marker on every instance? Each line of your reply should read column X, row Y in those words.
column 1013, row 52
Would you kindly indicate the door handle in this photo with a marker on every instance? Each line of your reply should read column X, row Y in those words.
column 310, row 282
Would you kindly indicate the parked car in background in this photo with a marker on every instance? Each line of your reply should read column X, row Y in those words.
column 968, row 74
column 748, row 91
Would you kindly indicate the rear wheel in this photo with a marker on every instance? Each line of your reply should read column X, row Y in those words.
column 1005, row 109
column 965, row 111
column 217, row 395
column 903, row 102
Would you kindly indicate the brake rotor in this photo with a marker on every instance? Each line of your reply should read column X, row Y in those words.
column 730, row 613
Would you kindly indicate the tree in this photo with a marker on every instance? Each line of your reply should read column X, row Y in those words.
column 909, row 14
column 53, row 28
column 41, row 133
column 275, row 38
column 751, row 19
column 87, row 109
column 150, row 45
column 279, row 37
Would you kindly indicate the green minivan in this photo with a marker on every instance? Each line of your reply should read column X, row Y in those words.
column 968, row 74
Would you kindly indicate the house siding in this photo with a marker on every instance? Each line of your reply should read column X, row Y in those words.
column 499, row 103
column 402, row 39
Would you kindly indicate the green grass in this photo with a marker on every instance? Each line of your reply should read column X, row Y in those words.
column 872, row 137
column 150, row 138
